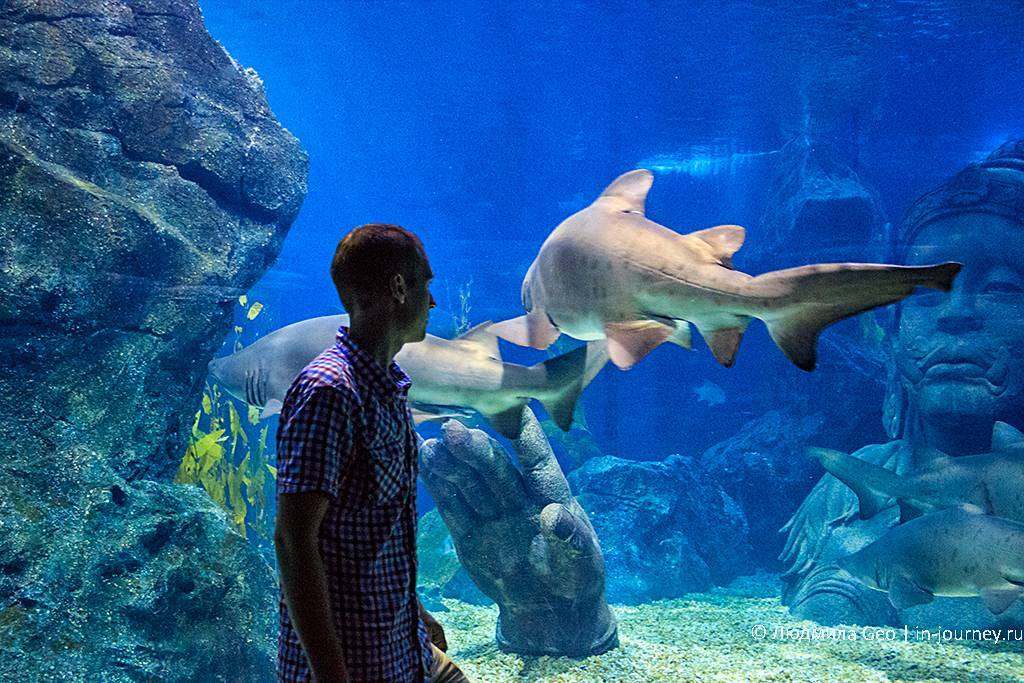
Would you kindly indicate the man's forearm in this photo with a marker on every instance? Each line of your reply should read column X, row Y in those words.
column 423, row 612
column 304, row 584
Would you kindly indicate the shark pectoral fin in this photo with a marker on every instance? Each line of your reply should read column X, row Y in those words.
column 1005, row 437
column 507, row 422
column 629, row 342
column 681, row 335
column 723, row 343
column 484, row 338
column 905, row 593
column 998, row 600
column 272, row 407
column 724, row 241
column 533, row 329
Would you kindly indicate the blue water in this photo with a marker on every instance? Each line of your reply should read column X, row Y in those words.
column 482, row 125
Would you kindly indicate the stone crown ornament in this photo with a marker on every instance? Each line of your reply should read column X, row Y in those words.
column 994, row 186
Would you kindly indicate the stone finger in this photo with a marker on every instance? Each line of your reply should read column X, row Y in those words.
column 443, row 466
column 478, row 451
column 542, row 475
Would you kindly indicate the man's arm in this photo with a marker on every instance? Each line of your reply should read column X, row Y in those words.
column 304, row 581
column 434, row 628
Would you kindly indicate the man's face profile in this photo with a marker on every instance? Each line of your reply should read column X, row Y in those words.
column 415, row 312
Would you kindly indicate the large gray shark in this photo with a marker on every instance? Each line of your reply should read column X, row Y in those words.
column 994, row 481
column 958, row 552
column 466, row 372
column 609, row 272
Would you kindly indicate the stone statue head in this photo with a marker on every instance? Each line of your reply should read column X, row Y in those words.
column 958, row 358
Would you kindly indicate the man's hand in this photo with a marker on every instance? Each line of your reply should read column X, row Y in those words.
column 523, row 539
column 435, row 631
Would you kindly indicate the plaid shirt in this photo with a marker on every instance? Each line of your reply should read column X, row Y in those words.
column 346, row 429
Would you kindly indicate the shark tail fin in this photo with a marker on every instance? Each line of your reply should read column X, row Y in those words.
column 507, row 422
column 563, row 379
column 853, row 472
column 533, row 329
column 826, row 293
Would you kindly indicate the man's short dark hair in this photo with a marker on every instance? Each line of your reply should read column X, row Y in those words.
column 369, row 255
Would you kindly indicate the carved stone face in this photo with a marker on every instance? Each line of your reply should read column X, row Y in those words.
column 961, row 354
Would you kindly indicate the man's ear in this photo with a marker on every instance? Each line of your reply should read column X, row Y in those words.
column 397, row 286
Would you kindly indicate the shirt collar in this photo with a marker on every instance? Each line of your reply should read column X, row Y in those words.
column 392, row 380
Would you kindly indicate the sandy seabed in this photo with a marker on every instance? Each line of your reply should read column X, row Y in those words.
column 708, row 637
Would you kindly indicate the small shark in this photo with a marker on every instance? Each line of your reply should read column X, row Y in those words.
column 609, row 272
column 710, row 393
column 958, row 552
column 994, row 482
column 466, row 372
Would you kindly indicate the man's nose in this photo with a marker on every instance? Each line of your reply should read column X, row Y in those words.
column 433, row 304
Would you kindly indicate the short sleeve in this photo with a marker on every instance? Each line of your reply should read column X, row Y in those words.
column 314, row 442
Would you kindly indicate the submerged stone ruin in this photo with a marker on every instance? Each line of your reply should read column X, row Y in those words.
column 144, row 185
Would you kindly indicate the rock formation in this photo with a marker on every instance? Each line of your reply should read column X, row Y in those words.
column 666, row 531
column 144, row 185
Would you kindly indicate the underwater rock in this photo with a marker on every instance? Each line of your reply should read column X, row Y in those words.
column 144, row 185
column 817, row 205
column 666, row 530
column 140, row 580
column 439, row 572
column 764, row 470
column 522, row 539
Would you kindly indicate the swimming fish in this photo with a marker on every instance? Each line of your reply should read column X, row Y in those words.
column 447, row 375
column 958, row 552
column 710, row 393
column 994, row 482
column 609, row 272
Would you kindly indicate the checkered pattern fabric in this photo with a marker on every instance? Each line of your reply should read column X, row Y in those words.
column 346, row 429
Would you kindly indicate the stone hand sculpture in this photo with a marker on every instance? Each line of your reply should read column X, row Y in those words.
column 523, row 539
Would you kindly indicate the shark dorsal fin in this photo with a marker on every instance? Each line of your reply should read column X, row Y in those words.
column 630, row 190
column 482, row 337
column 1005, row 437
column 724, row 241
